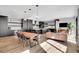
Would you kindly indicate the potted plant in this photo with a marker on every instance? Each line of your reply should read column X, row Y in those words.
column 71, row 26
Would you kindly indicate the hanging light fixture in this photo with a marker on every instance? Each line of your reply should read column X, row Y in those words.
column 24, row 15
column 27, row 13
column 29, row 10
column 37, row 11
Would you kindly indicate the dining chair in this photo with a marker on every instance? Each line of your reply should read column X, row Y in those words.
column 25, row 40
column 35, row 39
column 19, row 36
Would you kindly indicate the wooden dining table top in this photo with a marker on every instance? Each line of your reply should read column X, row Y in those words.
column 28, row 34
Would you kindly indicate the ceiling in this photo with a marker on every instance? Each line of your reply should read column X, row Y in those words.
column 45, row 12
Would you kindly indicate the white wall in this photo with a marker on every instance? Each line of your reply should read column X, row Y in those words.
column 65, row 20
column 78, row 29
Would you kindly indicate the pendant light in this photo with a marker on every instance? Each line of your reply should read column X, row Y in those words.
column 37, row 11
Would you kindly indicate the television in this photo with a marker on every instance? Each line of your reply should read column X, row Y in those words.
column 63, row 24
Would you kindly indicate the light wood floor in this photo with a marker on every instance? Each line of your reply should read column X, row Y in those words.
column 72, row 48
column 11, row 44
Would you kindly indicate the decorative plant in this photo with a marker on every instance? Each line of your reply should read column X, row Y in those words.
column 71, row 26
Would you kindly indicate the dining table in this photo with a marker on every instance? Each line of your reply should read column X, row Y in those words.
column 29, row 35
